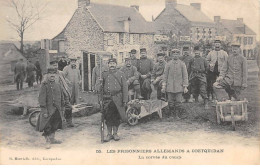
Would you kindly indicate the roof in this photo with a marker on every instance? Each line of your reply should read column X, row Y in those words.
column 9, row 52
column 110, row 16
column 192, row 14
column 237, row 27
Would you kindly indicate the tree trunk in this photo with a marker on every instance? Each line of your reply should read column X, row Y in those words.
column 21, row 42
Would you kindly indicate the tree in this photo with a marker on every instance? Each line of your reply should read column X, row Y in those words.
column 25, row 13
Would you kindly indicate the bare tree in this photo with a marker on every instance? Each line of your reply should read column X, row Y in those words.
column 24, row 14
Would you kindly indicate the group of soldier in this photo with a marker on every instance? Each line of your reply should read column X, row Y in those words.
column 174, row 79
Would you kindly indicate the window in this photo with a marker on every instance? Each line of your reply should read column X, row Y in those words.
column 61, row 46
column 120, row 58
column 250, row 40
column 238, row 39
column 198, row 31
column 131, row 39
column 209, row 31
column 121, row 38
column 245, row 40
column 110, row 42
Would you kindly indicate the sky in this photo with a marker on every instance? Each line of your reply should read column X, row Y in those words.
column 59, row 12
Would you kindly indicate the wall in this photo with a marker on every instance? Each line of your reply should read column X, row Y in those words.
column 82, row 33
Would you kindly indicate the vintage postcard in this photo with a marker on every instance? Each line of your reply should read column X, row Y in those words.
column 129, row 82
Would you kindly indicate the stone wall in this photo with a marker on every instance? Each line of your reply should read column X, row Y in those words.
column 83, row 33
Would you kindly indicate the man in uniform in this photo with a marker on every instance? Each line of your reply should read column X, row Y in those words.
column 96, row 73
column 233, row 75
column 132, row 77
column 145, row 68
column 215, row 59
column 197, row 70
column 52, row 102
column 62, row 63
column 133, row 59
column 157, row 75
column 19, row 74
column 71, row 72
column 115, row 93
column 30, row 73
column 38, row 71
column 186, row 59
column 175, row 82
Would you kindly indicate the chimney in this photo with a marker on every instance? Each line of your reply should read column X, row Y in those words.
column 196, row 5
column 240, row 20
column 135, row 6
column 217, row 19
column 83, row 3
column 170, row 3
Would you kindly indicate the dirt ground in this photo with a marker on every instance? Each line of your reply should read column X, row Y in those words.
column 199, row 128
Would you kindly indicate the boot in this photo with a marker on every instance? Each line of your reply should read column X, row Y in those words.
column 138, row 94
column 109, row 134
column 69, row 122
column 53, row 140
column 115, row 136
column 206, row 103
column 47, row 143
column 196, row 99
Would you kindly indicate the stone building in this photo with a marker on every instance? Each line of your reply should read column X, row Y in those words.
column 184, row 22
column 101, row 27
column 238, row 32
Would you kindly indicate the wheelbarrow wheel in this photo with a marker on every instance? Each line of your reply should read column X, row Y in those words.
column 132, row 116
column 33, row 117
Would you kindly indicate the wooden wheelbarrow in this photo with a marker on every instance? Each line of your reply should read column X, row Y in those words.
column 232, row 111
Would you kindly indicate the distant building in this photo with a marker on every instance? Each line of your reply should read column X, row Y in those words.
column 237, row 31
column 185, row 22
column 102, row 27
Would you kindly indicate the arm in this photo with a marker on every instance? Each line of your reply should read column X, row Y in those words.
column 153, row 75
column 224, row 69
column 244, row 72
column 206, row 65
column 43, row 96
column 184, row 75
column 165, row 75
column 124, row 89
column 151, row 69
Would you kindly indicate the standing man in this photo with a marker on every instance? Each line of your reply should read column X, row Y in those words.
column 19, row 74
column 233, row 75
column 62, row 63
column 115, row 98
column 38, row 71
column 71, row 72
column 186, row 59
column 215, row 59
column 96, row 73
column 157, row 75
column 52, row 102
column 175, row 82
column 133, row 59
column 132, row 77
column 145, row 68
column 197, row 70
column 30, row 73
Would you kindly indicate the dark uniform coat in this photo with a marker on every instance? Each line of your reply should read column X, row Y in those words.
column 145, row 66
column 116, row 86
column 158, row 70
column 19, row 71
column 131, row 73
column 197, row 68
column 134, row 62
column 51, row 98
column 30, row 69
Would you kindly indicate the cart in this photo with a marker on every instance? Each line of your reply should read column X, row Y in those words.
column 138, row 109
column 232, row 111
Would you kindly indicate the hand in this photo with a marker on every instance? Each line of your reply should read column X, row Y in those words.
column 125, row 104
column 128, row 82
column 154, row 82
column 219, row 79
column 163, row 90
column 185, row 90
column 244, row 86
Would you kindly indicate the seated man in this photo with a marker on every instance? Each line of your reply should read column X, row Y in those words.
column 157, row 75
column 132, row 76
column 233, row 75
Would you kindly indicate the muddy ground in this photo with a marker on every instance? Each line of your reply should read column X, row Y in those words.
column 200, row 128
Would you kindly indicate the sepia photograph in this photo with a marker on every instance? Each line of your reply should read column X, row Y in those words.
column 129, row 82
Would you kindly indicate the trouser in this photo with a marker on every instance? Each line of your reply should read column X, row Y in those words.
column 211, row 79
column 54, row 123
column 146, row 89
column 39, row 78
column 135, row 85
column 112, row 116
column 232, row 91
column 68, row 112
column 174, row 101
column 158, row 87
column 198, row 87
column 19, row 84
column 187, row 95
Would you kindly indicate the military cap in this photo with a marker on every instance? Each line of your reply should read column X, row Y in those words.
column 196, row 48
column 235, row 44
column 133, row 51
column 186, row 48
column 112, row 60
column 160, row 54
column 127, row 58
column 217, row 41
column 53, row 61
column 51, row 70
column 142, row 50
column 175, row 50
